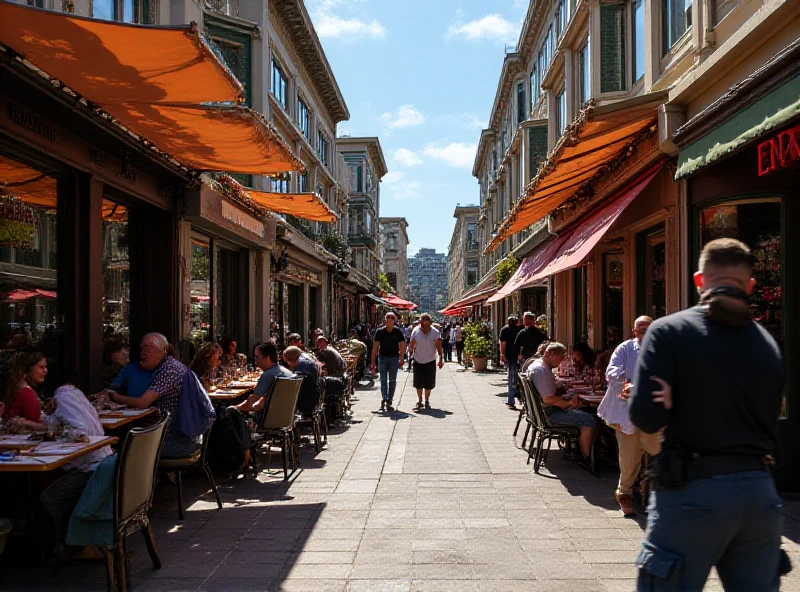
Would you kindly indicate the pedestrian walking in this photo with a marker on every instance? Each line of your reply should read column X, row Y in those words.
column 389, row 348
column 509, row 356
column 446, row 343
column 529, row 339
column 407, row 329
column 632, row 442
column 713, row 379
column 425, row 344
column 458, row 335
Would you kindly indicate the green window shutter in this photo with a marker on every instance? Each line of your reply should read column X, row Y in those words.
column 235, row 47
column 522, row 105
column 612, row 47
column 537, row 148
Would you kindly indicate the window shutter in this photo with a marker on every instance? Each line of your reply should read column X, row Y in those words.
column 612, row 47
column 522, row 106
column 537, row 148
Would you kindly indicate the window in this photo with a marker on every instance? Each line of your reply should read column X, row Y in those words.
column 200, row 313
column 303, row 119
column 116, row 270
column 638, row 39
column 235, row 49
column 368, row 222
column 322, row 148
column 534, row 88
column 537, row 148
column 561, row 111
column 522, row 105
column 472, row 236
column 302, row 183
column 562, row 17
column 358, row 179
column 142, row 12
column 584, row 69
column 612, row 47
column 676, row 19
column 472, row 275
column 280, row 184
column 279, row 84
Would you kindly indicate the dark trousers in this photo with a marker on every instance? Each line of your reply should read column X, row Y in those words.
column 733, row 522
column 61, row 497
column 459, row 350
column 447, row 350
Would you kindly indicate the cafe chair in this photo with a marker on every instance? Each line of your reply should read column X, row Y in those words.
column 199, row 460
column 317, row 422
column 277, row 423
column 134, row 483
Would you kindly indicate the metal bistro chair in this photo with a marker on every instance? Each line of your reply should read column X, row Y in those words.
column 276, row 422
column 317, row 422
column 525, row 412
column 199, row 460
column 134, row 482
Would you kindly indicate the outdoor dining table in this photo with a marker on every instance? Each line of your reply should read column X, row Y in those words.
column 113, row 420
column 235, row 390
column 32, row 456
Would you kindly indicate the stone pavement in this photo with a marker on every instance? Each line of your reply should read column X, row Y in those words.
column 437, row 500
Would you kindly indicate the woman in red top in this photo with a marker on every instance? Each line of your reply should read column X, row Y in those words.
column 21, row 407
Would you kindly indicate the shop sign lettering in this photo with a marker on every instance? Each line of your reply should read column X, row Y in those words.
column 33, row 122
column 779, row 152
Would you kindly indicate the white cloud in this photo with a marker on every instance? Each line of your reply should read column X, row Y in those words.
column 392, row 178
column 455, row 154
column 405, row 157
column 397, row 187
column 404, row 116
column 468, row 121
column 331, row 26
column 492, row 26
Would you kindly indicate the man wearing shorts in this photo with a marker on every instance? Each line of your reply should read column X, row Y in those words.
column 559, row 410
column 425, row 344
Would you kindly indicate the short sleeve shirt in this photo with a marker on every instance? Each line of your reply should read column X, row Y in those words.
column 389, row 342
column 26, row 406
column 425, row 345
column 133, row 380
column 334, row 362
column 267, row 377
column 528, row 341
column 543, row 378
column 167, row 382
column 509, row 335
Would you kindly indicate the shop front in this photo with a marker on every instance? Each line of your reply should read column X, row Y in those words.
column 751, row 193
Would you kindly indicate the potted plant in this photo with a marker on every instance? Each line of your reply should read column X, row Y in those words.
column 478, row 344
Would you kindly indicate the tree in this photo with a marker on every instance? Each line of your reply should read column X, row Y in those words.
column 383, row 283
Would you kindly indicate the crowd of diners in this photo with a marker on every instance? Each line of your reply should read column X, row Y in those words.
column 156, row 379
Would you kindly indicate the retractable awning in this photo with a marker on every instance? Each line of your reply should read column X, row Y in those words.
column 597, row 137
column 158, row 82
column 397, row 302
column 571, row 248
column 377, row 300
column 308, row 206
column 470, row 299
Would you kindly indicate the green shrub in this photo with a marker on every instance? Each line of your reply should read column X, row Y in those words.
column 479, row 346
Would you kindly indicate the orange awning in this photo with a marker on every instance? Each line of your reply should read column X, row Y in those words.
column 308, row 206
column 571, row 248
column 593, row 141
column 158, row 82
column 27, row 184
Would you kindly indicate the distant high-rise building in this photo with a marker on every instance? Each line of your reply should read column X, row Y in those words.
column 427, row 280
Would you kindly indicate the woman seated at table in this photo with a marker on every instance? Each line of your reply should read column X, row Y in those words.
column 21, row 408
column 583, row 357
column 229, row 346
column 70, row 408
column 206, row 363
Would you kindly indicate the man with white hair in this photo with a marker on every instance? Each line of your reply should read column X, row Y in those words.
column 631, row 442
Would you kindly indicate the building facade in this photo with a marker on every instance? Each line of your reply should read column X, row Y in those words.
column 394, row 234
column 427, row 271
column 463, row 259
column 619, row 144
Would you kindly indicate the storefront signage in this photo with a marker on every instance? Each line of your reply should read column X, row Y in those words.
column 779, row 152
column 33, row 122
column 233, row 214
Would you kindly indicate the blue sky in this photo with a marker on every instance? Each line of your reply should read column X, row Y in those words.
column 422, row 76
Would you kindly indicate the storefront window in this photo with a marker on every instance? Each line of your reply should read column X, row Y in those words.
column 652, row 263
column 201, row 290
column 613, row 283
column 757, row 223
column 228, row 288
column 116, row 272
column 28, row 297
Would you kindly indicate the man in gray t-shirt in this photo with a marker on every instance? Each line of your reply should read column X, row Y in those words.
column 266, row 358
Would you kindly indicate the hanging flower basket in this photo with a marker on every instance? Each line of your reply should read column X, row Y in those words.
column 17, row 222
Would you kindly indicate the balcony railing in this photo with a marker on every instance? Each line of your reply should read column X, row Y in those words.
column 226, row 7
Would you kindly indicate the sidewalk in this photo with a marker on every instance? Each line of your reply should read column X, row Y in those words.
column 440, row 500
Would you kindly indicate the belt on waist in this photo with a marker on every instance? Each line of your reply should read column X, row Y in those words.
column 704, row 467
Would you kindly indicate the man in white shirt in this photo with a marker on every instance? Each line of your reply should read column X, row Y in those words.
column 631, row 442
column 425, row 344
column 559, row 410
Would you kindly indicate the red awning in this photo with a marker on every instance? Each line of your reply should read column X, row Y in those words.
column 570, row 249
column 458, row 305
column 397, row 302
column 455, row 312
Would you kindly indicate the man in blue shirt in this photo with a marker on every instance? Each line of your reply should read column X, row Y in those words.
column 266, row 358
column 132, row 380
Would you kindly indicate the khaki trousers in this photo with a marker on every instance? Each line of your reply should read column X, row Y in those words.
column 631, row 447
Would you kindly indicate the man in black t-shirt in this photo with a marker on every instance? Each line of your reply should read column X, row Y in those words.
column 509, row 355
column 529, row 339
column 389, row 348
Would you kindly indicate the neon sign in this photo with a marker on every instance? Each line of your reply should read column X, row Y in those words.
column 779, row 152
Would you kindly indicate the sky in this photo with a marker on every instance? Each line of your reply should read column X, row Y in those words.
column 422, row 76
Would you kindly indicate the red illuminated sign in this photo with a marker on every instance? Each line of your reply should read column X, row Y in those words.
column 779, row 152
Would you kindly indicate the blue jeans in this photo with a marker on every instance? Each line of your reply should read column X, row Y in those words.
column 513, row 368
column 387, row 367
column 733, row 522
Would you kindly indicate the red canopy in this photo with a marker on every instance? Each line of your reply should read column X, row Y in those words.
column 397, row 302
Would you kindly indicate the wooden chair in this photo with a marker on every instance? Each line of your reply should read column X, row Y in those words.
column 277, row 422
column 199, row 460
column 134, row 482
